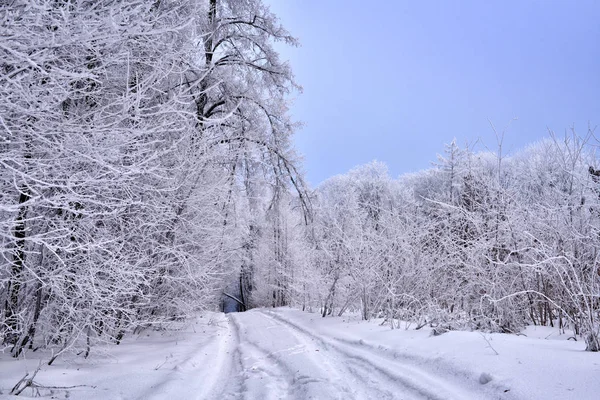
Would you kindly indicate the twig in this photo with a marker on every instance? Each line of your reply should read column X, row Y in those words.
column 25, row 382
column 489, row 344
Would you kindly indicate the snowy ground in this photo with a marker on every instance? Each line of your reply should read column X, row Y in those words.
column 284, row 353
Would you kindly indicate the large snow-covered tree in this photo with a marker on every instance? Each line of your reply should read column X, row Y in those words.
column 131, row 133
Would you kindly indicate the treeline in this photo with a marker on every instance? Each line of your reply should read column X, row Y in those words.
column 146, row 167
column 141, row 143
column 479, row 241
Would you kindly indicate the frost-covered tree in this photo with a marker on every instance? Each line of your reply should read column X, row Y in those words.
column 480, row 241
column 129, row 132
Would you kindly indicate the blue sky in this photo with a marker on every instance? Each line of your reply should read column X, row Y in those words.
column 396, row 80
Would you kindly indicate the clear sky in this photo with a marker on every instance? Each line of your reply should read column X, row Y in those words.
column 394, row 80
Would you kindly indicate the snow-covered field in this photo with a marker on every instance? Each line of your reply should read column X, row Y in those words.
column 285, row 353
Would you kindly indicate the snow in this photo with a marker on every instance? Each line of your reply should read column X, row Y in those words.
column 285, row 353
column 153, row 365
column 541, row 365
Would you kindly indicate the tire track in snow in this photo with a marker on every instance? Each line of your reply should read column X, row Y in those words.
column 277, row 365
column 433, row 366
column 191, row 379
column 361, row 379
column 398, row 377
column 220, row 382
column 252, row 369
column 352, row 378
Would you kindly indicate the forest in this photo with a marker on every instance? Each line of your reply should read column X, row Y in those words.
column 147, row 167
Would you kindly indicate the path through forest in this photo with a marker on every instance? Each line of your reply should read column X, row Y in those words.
column 284, row 353
column 267, row 356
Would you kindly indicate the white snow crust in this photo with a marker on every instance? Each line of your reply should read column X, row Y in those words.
column 284, row 353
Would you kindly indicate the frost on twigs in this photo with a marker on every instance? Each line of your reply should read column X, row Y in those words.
column 37, row 389
column 442, row 321
column 144, row 148
column 25, row 382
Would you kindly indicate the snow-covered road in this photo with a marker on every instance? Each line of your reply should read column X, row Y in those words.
column 272, row 357
column 289, row 354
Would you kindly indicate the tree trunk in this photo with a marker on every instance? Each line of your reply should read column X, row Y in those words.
column 14, row 283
